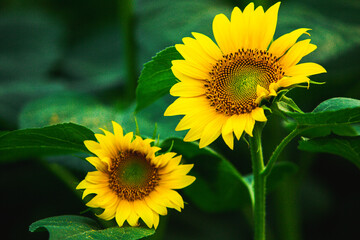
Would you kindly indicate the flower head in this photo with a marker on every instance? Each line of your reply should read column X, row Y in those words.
column 131, row 180
column 221, row 85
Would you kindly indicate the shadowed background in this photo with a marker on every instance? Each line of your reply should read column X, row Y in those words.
column 64, row 61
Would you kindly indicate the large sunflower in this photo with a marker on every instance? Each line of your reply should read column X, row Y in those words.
column 131, row 181
column 221, row 86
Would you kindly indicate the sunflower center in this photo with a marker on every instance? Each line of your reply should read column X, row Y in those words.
column 234, row 79
column 132, row 176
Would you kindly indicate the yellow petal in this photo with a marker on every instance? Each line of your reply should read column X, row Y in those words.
column 179, row 183
column 195, row 119
column 310, row 49
column 193, row 134
column 189, row 70
column 261, row 93
column 102, row 200
column 92, row 146
column 174, row 197
column 172, row 164
column 99, row 191
column 306, row 69
column 183, row 89
column 82, row 185
column 193, row 51
column 283, row 43
column 144, row 212
column 106, row 144
column 228, row 139
column 247, row 17
column 257, row 27
column 193, row 58
column 222, row 34
column 182, row 106
column 250, row 122
column 109, row 211
column 97, row 163
column 295, row 54
column 208, row 45
column 156, row 220
column 177, row 171
column 270, row 21
column 288, row 81
column 229, row 125
column 156, row 207
column 236, row 28
column 198, row 125
column 97, row 177
column 133, row 217
column 118, row 131
column 182, row 77
column 163, row 159
column 273, row 88
column 239, row 125
column 127, row 139
column 159, row 197
column 212, row 130
column 258, row 114
column 122, row 212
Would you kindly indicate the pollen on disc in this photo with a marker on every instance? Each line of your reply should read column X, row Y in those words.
column 234, row 79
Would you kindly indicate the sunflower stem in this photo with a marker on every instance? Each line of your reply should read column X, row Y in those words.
column 259, row 183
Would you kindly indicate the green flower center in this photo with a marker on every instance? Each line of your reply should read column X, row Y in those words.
column 234, row 80
column 132, row 176
column 134, row 172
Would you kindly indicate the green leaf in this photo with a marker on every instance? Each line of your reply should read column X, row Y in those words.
column 156, row 78
column 59, row 139
column 218, row 186
column 291, row 104
column 333, row 111
column 78, row 228
column 346, row 147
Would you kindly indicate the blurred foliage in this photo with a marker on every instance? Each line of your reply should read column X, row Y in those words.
column 63, row 61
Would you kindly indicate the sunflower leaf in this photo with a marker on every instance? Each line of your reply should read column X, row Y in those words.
column 291, row 104
column 58, row 139
column 156, row 78
column 78, row 227
column 346, row 147
column 330, row 113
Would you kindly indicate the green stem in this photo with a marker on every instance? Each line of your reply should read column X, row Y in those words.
column 279, row 149
column 259, row 183
column 126, row 18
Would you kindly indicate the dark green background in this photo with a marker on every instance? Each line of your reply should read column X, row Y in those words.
column 69, row 58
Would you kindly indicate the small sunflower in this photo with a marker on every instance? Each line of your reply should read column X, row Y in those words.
column 221, row 86
column 131, row 181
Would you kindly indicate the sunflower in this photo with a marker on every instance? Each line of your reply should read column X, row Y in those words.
column 221, row 85
column 131, row 180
